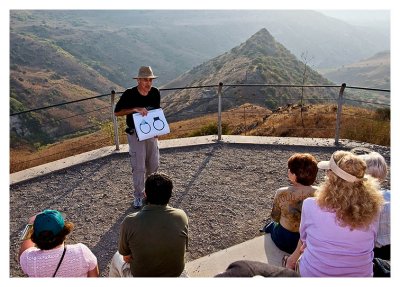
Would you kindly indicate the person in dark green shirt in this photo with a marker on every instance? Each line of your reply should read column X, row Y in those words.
column 153, row 241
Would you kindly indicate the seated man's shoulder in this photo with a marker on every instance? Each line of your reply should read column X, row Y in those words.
column 282, row 189
column 131, row 216
column 178, row 211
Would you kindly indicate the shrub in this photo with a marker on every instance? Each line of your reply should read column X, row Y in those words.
column 367, row 131
column 383, row 114
column 210, row 129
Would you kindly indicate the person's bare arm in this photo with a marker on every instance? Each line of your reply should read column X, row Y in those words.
column 276, row 213
column 276, row 209
column 292, row 259
column 94, row 272
column 27, row 243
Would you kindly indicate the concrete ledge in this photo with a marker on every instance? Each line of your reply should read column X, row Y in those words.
column 261, row 249
column 99, row 153
column 60, row 164
column 172, row 143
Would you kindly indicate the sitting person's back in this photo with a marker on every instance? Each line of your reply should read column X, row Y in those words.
column 288, row 203
column 377, row 168
column 153, row 241
column 334, row 250
column 338, row 226
column 77, row 262
column 156, row 237
column 286, row 210
column 44, row 252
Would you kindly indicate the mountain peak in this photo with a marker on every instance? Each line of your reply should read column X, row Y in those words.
column 261, row 43
column 259, row 60
column 263, row 33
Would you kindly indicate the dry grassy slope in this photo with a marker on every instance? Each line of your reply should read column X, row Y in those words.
column 58, row 77
column 45, row 88
column 30, row 53
column 25, row 157
column 317, row 121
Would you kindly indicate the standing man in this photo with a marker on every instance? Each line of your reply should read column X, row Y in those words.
column 154, row 240
column 144, row 155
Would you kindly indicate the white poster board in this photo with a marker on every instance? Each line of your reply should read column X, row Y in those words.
column 154, row 124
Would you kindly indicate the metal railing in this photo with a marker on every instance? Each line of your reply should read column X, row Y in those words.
column 103, row 112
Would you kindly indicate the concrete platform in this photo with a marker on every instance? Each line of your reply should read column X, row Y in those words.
column 172, row 143
column 261, row 249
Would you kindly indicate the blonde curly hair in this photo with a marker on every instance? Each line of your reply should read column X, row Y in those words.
column 356, row 204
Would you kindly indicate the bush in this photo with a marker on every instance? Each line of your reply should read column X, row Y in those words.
column 383, row 114
column 366, row 131
column 210, row 129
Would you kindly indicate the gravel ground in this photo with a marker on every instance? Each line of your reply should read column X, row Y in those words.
column 225, row 189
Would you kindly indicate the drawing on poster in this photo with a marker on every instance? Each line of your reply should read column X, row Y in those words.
column 158, row 124
column 144, row 127
column 151, row 125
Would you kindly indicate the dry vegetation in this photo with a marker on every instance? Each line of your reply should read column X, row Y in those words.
column 317, row 121
column 23, row 158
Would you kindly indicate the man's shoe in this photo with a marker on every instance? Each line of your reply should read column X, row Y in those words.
column 137, row 203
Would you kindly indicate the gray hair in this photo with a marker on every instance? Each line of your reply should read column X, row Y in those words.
column 376, row 165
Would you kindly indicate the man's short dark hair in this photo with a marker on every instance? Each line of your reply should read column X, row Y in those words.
column 158, row 188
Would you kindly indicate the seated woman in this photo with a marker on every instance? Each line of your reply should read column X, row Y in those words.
column 286, row 210
column 377, row 168
column 338, row 226
column 43, row 252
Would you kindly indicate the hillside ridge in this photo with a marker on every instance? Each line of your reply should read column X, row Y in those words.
column 259, row 60
column 371, row 72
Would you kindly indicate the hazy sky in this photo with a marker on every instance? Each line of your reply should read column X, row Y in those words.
column 361, row 17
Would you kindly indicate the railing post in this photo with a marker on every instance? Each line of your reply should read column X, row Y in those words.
column 219, row 110
column 339, row 113
column 114, row 120
column 244, row 119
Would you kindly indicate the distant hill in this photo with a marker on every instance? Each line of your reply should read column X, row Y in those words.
column 43, row 74
column 259, row 60
column 372, row 72
column 116, row 42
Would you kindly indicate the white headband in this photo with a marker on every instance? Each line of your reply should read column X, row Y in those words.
column 331, row 164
